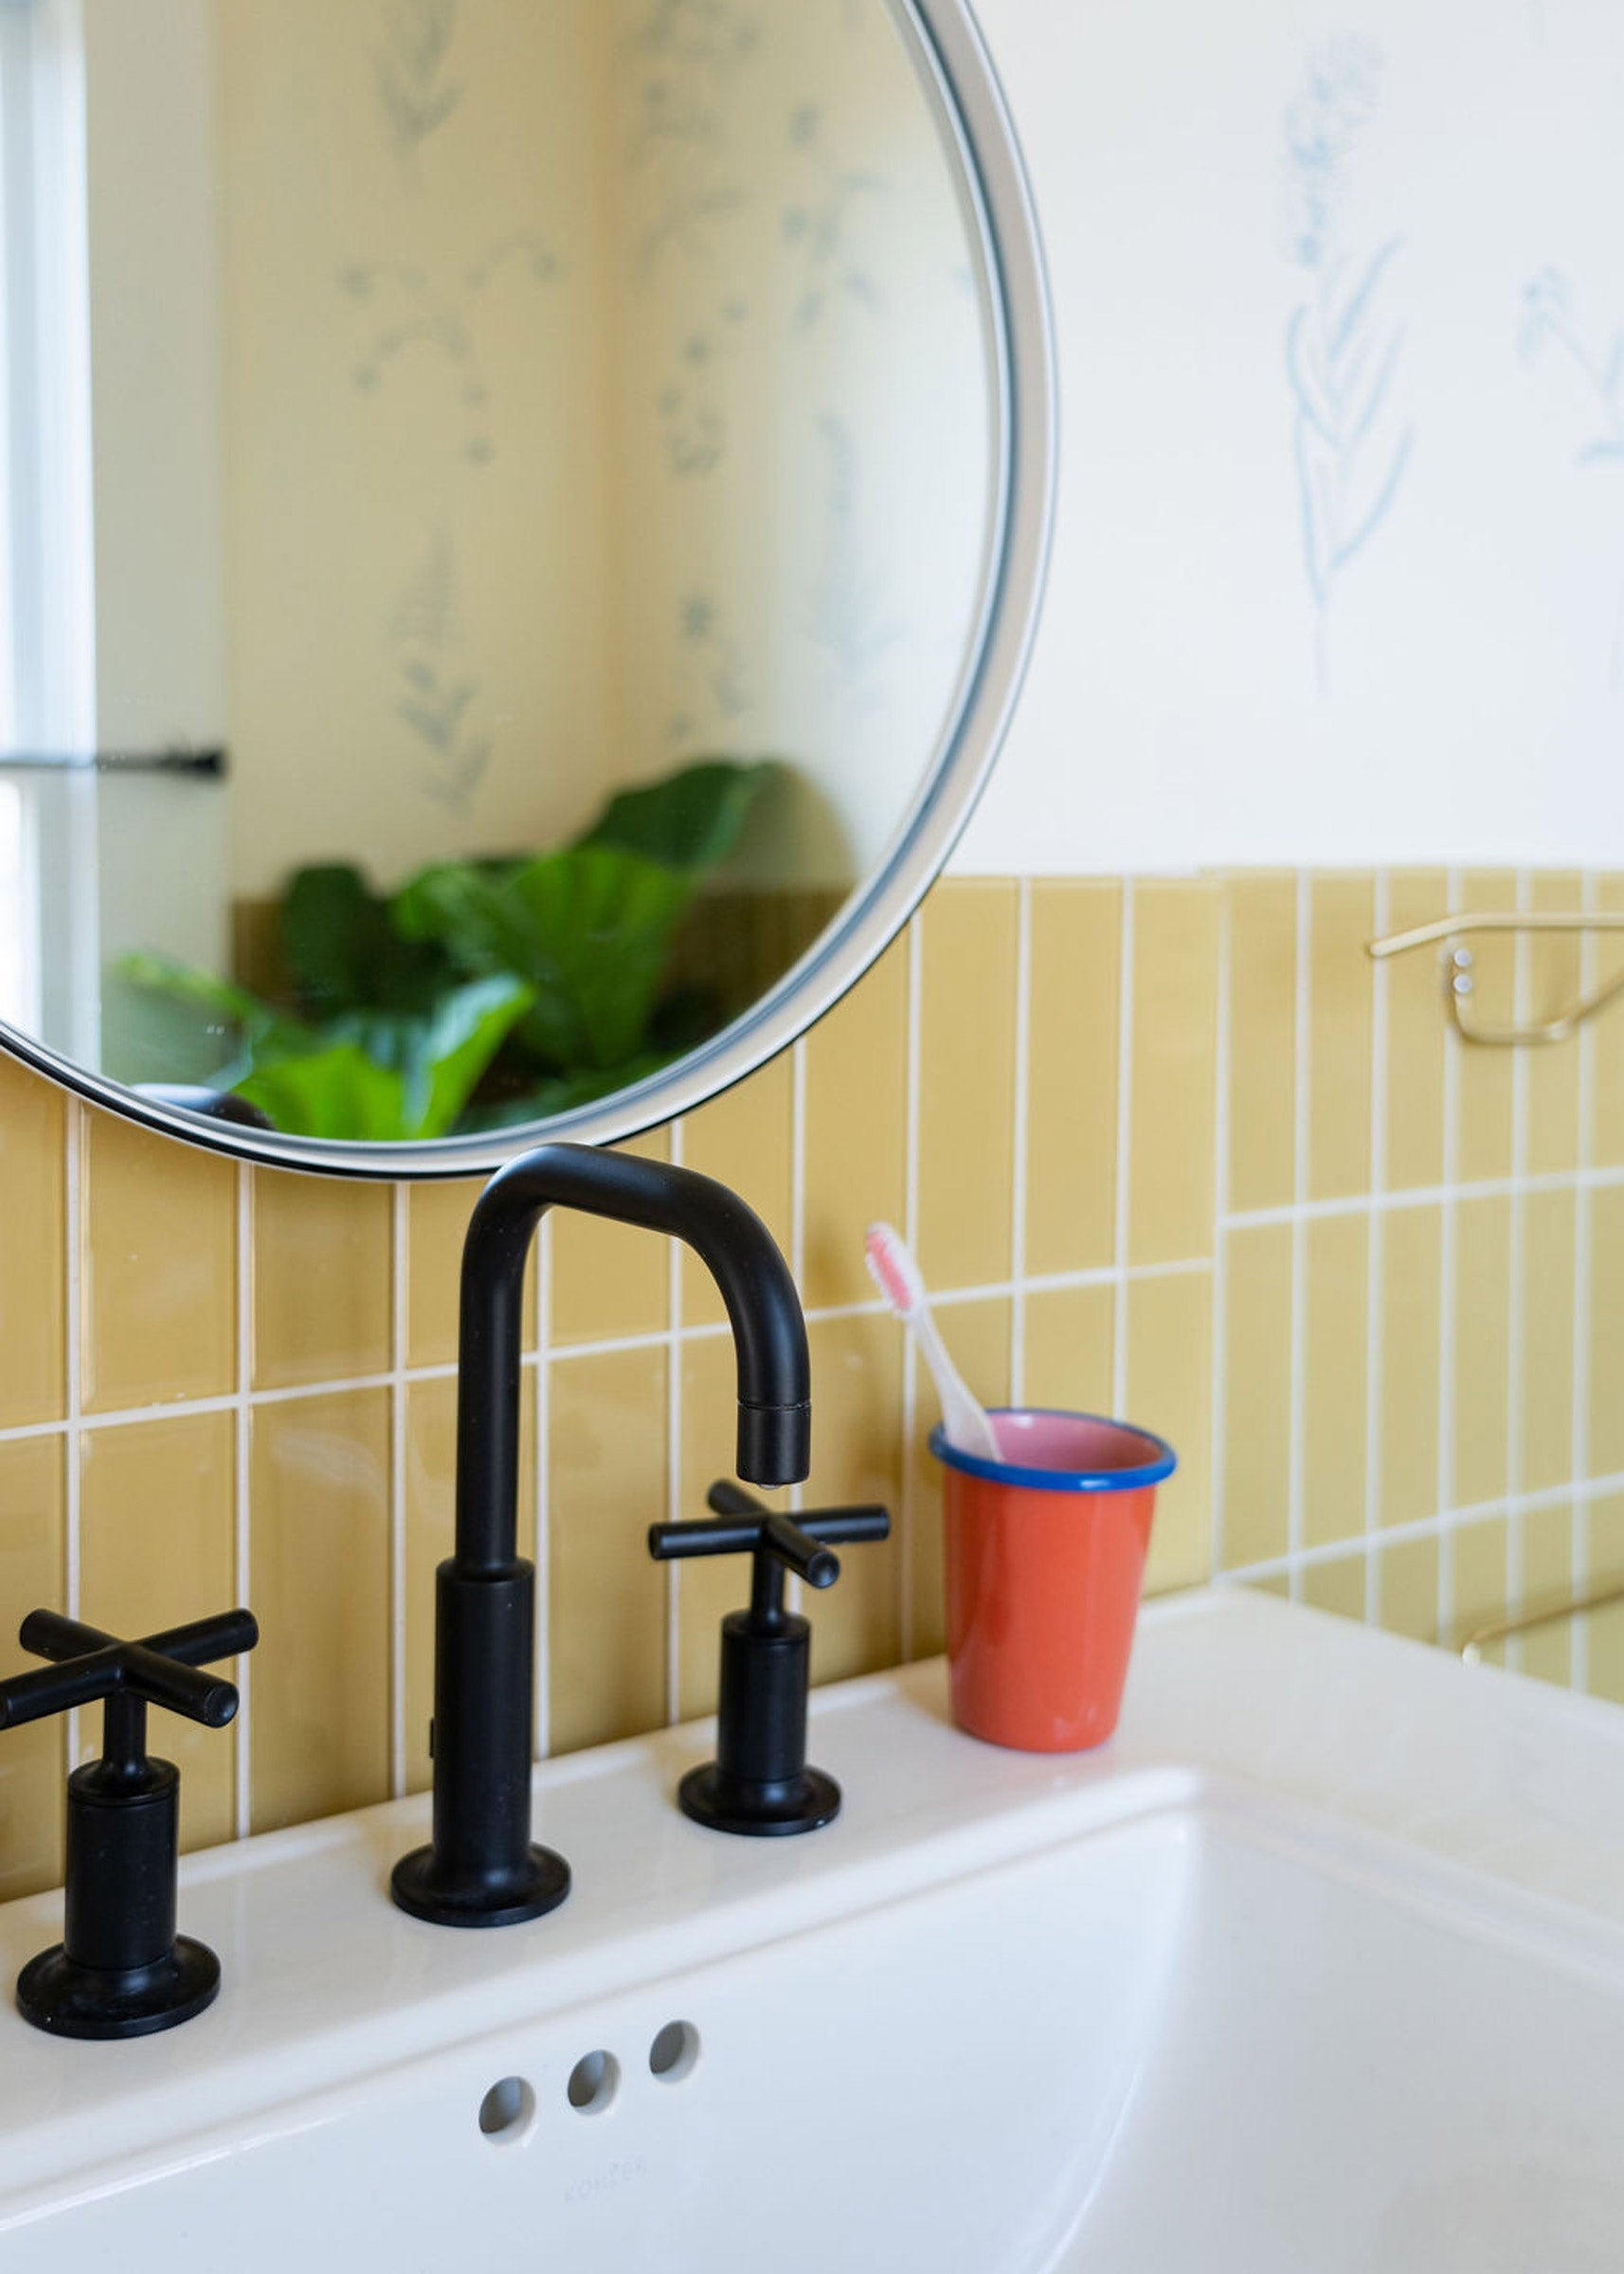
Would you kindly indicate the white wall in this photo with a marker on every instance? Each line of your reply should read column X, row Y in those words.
column 1458, row 693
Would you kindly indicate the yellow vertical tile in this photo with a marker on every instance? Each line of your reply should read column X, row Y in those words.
column 1606, row 1134
column 1343, row 994
column 159, row 1268
column 967, row 1081
column 319, row 1585
column 1482, row 1347
column 1410, row 1299
column 978, row 1334
column 856, row 1459
column 1169, row 1390
column 1604, row 1543
column 1071, row 1348
column 430, row 1514
column 34, row 1760
column 745, row 1140
column 1478, row 1578
column 1337, row 1586
column 1548, row 1585
column 708, row 1586
column 437, row 1225
column 1486, row 1075
column 1417, row 1032
column 1606, row 1333
column 1408, row 1589
column 1256, row 1329
column 856, row 1130
column 606, row 1610
column 322, row 1273
column 1175, row 1065
column 1547, row 1340
column 1262, row 918
column 1552, row 969
column 157, row 1548
column 1071, row 1102
column 1334, row 1385
column 609, row 1279
column 34, row 1263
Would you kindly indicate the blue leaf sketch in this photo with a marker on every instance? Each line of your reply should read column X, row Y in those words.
column 1549, row 316
column 434, row 698
column 1343, row 348
column 847, row 611
column 416, row 95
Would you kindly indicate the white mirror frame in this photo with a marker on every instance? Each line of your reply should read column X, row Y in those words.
column 957, row 73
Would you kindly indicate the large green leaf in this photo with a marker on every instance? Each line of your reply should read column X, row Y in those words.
column 388, row 1076
column 336, row 1093
column 588, row 930
column 345, row 951
column 691, row 820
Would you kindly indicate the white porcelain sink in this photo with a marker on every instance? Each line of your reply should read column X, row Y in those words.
column 1320, row 1965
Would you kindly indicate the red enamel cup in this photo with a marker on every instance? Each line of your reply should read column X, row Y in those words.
column 1045, row 1557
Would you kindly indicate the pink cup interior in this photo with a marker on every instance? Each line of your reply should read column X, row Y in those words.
column 1074, row 1442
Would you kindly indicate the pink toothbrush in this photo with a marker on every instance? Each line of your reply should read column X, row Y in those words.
column 896, row 1275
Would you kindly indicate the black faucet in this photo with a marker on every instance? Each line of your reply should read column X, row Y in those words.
column 480, row 1868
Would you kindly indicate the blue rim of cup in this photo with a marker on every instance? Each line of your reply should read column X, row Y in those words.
column 1161, row 1465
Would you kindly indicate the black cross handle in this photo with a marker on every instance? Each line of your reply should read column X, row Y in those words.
column 120, row 1970
column 161, row 1669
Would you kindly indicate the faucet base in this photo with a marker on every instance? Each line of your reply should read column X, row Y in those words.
column 761, row 1811
column 66, row 1999
column 422, row 1888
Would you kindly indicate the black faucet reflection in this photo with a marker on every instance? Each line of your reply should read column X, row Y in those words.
column 481, row 1867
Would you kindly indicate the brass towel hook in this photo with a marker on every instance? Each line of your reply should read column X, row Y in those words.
column 1459, row 976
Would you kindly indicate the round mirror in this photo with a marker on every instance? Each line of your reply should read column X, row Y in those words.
column 524, row 520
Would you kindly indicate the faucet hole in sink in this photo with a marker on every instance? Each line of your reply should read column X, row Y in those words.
column 507, row 2111
column 592, row 2083
column 671, row 2055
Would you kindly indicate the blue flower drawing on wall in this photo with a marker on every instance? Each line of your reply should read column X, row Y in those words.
column 1549, row 320
column 407, row 311
column 1343, row 347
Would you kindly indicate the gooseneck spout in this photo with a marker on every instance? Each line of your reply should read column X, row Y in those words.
column 769, row 1336
column 480, row 1868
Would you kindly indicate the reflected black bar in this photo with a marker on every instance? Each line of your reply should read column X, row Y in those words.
column 208, row 766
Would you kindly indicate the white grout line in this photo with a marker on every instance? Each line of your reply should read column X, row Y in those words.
column 1427, row 1196
column 77, row 1252
column 908, row 1512
column 399, row 1266
column 673, row 1344
column 1374, row 1277
column 1124, row 1146
column 1425, row 1527
column 543, row 1394
column 1448, row 1290
column 1019, row 1142
column 1302, row 1105
column 241, row 1413
column 1219, row 1431
column 797, row 1237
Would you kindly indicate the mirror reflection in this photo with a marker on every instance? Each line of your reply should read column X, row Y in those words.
column 499, row 505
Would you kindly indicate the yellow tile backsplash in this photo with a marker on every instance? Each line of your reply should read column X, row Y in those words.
column 1369, row 1281
column 137, row 1576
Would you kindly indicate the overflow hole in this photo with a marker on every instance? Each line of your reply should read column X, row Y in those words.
column 592, row 2083
column 671, row 2055
column 506, row 2110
